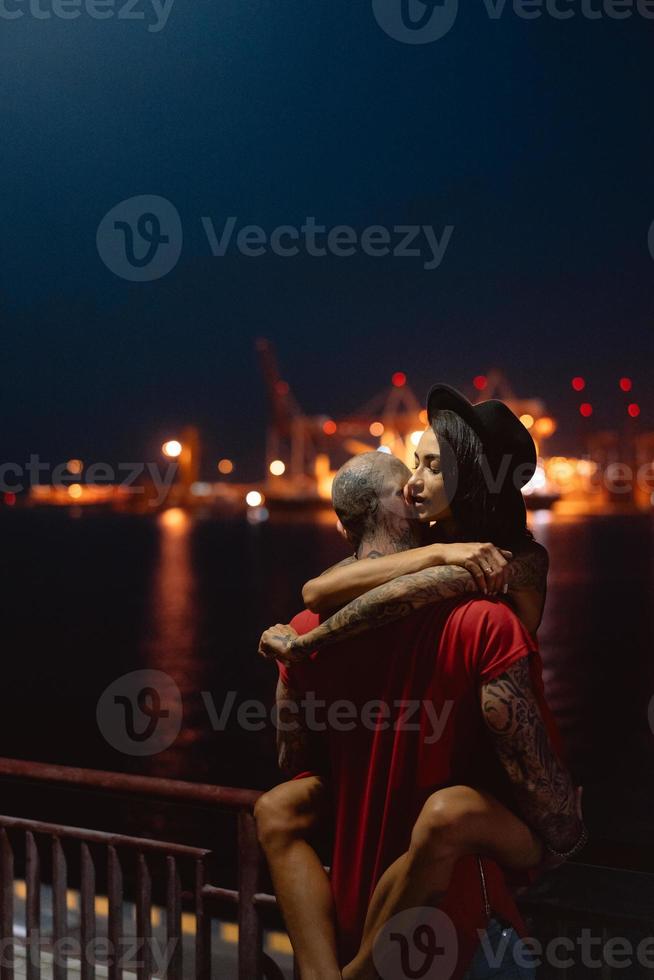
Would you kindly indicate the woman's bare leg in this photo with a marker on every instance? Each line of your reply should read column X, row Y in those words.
column 285, row 817
column 454, row 822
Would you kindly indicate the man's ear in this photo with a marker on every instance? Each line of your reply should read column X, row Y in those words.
column 342, row 531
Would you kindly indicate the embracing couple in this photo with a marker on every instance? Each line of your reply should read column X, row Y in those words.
column 431, row 836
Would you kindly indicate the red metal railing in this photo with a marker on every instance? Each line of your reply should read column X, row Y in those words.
column 178, row 869
column 55, row 853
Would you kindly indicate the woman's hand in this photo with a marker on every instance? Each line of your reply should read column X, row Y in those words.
column 280, row 643
column 488, row 565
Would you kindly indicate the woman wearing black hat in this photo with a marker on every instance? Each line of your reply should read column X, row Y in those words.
column 470, row 466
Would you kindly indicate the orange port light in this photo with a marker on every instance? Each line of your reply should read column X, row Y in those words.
column 480, row 382
column 254, row 499
column 225, row 466
column 172, row 449
column 329, row 427
column 578, row 384
column 586, row 409
column 545, row 427
column 377, row 429
column 626, row 384
column 634, row 410
column 399, row 379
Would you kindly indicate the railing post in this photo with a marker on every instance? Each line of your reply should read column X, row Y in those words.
column 115, row 923
column 33, row 908
column 87, row 912
column 250, row 937
column 7, row 906
column 59, row 911
column 174, row 919
column 202, row 926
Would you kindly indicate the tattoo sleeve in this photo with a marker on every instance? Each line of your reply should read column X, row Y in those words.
column 297, row 747
column 543, row 787
column 393, row 600
column 528, row 570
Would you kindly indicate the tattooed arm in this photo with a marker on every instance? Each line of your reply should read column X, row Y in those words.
column 401, row 595
column 351, row 578
column 298, row 749
column 528, row 585
column 543, row 787
column 388, row 602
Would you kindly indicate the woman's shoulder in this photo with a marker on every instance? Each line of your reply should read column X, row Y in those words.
column 530, row 566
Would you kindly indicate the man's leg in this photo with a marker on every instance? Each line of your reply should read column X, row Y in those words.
column 455, row 821
column 285, row 817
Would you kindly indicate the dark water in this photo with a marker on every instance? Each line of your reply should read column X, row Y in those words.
column 87, row 599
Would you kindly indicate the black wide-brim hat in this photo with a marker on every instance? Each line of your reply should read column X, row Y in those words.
column 510, row 450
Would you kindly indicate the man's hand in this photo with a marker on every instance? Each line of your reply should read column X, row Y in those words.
column 278, row 643
column 487, row 564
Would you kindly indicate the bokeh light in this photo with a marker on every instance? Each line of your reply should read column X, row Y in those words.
column 172, row 449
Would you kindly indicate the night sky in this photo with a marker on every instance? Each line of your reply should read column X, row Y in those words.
column 533, row 138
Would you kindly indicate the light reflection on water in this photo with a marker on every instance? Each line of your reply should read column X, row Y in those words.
column 170, row 635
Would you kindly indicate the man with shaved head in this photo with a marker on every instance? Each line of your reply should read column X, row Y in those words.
column 368, row 497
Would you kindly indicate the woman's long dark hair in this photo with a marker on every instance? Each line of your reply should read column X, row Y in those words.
column 480, row 513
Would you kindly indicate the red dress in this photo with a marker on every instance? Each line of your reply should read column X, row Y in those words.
column 410, row 724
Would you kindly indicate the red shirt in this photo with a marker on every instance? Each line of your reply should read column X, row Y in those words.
column 385, row 762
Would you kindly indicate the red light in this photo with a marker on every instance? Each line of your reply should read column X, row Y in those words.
column 480, row 382
column 282, row 388
column 634, row 410
column 579, row 384
column 399, row 379
column 329, row 428
column 626, row 384
column 586, row 410
column 10, row 499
